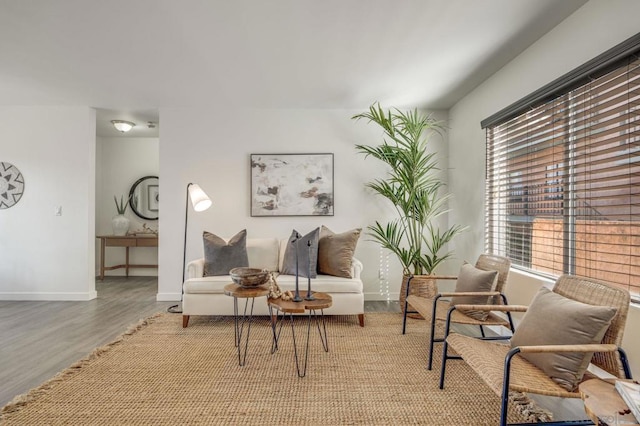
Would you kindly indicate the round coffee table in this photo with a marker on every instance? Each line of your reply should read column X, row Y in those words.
column 320, row 302
column 239, row 292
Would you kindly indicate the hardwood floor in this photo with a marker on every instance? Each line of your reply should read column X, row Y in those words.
column 40, row 339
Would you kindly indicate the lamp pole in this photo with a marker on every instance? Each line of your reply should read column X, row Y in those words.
column 200, row 203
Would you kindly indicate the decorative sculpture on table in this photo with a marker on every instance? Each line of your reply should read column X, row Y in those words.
column 275, row 292
column 296, row 296
column 309, row 294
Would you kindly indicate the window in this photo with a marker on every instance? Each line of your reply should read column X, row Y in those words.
column 563, row 174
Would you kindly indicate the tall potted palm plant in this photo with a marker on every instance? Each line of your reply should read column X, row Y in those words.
column 415, row 188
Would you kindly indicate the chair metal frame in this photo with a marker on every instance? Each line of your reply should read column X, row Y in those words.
column 485, row 262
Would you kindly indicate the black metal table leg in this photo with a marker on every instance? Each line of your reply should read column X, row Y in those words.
column 247, row 319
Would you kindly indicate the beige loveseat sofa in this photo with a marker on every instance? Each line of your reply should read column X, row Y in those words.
column 205, row 295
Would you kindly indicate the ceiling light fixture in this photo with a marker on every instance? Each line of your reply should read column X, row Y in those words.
column 123, row 126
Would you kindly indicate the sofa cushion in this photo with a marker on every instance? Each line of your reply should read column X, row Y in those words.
column 307, row 256
column 322, row 283
column 335, row 251
column 220, row 257
column 553, row 319
column 207, row 285
column 263, row 253
column 472, row 279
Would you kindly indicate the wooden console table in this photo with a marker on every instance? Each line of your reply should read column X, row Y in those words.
column 126, row 241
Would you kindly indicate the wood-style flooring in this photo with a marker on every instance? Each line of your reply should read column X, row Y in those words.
column 39, row 339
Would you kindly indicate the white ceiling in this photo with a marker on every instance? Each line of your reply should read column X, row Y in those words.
column 127, row 58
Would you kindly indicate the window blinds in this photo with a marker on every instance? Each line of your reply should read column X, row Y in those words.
column 563, row 181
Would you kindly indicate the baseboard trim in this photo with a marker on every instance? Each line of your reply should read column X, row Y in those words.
column 377, row 297
column 168, row 297
column 49, row 297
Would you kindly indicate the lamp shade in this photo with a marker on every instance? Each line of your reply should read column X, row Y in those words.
column 123, row 126
column 199, row 199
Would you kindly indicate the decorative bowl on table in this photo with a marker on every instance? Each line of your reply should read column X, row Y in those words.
column 249, row 277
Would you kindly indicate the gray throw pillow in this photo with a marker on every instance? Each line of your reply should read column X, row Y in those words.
column 335, row 252
column 571, row 323
column 220, row 257
column 307, row 257
column 471, row 279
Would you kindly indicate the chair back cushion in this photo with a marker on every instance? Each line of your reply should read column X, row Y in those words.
column 472, row 279
column 553, row 319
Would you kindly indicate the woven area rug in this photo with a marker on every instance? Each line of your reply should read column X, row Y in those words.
column 159, row 373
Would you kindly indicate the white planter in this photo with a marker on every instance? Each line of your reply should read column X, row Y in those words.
column 120, row 224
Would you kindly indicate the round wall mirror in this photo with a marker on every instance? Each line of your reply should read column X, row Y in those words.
column 144, row 197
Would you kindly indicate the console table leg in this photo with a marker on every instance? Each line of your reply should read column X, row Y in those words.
column 127, row 261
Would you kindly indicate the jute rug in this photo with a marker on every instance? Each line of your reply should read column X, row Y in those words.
column 159, row 373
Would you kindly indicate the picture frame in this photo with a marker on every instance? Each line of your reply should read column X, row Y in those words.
column 153, row 197
column 292, row 185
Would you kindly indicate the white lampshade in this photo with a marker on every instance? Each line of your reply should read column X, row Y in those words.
column 123, row 126
column 199, row 199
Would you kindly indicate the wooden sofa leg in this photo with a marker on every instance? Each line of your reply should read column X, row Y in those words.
column 361, row 319
column 185, row 321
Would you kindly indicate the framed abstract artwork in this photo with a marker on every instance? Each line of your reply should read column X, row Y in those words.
column 292, row 185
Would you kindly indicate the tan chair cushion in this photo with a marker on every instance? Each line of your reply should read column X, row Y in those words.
column 553, row 319
column 335, row 252
column 472, row 279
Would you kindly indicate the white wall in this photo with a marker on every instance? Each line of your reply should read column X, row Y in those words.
column 120, row 162
column 591, row 30
column 43, row 256
column 212, row 148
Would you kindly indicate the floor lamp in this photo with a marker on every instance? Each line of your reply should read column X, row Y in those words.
column 200, row 202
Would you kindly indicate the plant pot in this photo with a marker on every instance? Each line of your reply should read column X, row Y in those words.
column 120, row 224
column 421, row 285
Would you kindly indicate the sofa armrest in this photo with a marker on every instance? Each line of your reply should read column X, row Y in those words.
column 356, row 268
column 195, row 268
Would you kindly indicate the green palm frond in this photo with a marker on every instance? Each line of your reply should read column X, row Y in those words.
column 413, row 185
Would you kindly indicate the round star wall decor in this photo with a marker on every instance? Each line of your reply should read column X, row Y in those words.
column 11, row 185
